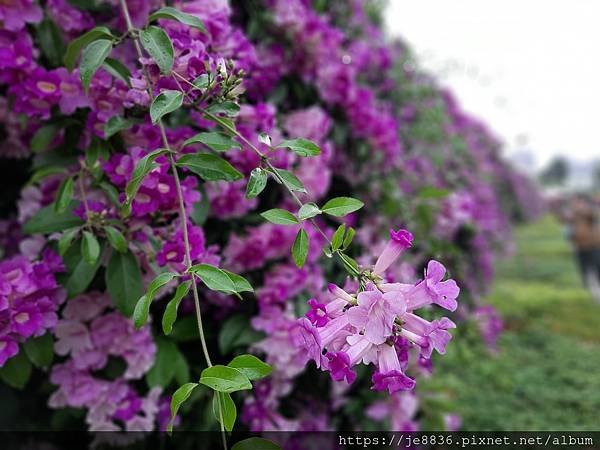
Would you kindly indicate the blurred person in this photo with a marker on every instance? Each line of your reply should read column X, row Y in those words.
column 584, row 230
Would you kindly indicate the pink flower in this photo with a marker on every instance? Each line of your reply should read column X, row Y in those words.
column 399, row 241
column 375, row 314
column 390, row 376
column 434, row 290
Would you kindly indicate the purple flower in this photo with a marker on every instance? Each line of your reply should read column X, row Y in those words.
column 389, row 375
column 339, row 367
column 399, row 241
column 317, row 313
column 306, row 336
column 26, row 320
column 16, row 13
column 375, row 314
column 433, row 290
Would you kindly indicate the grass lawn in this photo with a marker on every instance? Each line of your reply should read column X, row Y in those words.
column 546, row 375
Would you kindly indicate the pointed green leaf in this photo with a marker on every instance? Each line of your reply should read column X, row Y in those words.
column 16, row 371
column 170, row 314
column 44, row 172
column 202, row 81
column 40, row 350
column 65, row 241
column 209, row 167
column 118, row 70
column 91, row 60
column 158, row 44
column 90, row 248
column 116, row 124
column 174, row 14
column 290, row 180
column 124, row 281
column 341, row 206
column 256, row 183
column 79, row 273
column 64, row 195
column 338, row 237
column 223, row 406
column 116, row 239
column 221, row 280
column 251, row 366
column 142, row 307
column 300, row 248
column 215, row 141
column 77, row 44
column 224, row 379
column 179, row 397
column 48, row 221
column 43, row 137
column 228, row 108
column 308, row 211
column 302, row 147
column 143, row 167
column 280, row 217
column 348, row 238
column 166, row 102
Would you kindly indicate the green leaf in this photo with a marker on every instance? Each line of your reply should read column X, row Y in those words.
column 209, row 167
column 65, row 241
column 433, row 192
column 350, row 264
column 16, row 371
column 300, row 248
column 118, row 70
column 47, row 221
column 224, row 406
column 349, row 236
column 142, row 307
column 116, row 239
column 174, row 14
column 280, row 217
column 308, row 211
column 216, row 141
column 338, row 237
column 228, row 108
column 221, row 280
column 40, row 350
column 44, row 172
column 124, row 281
column 77, row 44
column 251, row 366
column 237, row 332
column 302, row 147
column 79, row 273
column 256, row 183
column 255, row 443
column 290, row 180
column 43, row 137
column 116, row 124
column 91, row 60
column 179, row 397
column 224, row 379
column 201, row 208
column 158, row 44
column 166, row 102
column 143, row 167
column 90, row 248
column 51, row 42
column 163, row 370
column 64, row 195
column 170, row 314
column 341, row 206
column 202, row 81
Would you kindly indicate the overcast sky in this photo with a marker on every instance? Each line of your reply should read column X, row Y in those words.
column 530, row 68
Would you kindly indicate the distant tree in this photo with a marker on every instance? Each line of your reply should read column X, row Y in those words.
column 556, row 173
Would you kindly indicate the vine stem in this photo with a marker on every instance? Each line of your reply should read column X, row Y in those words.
column 182, row 211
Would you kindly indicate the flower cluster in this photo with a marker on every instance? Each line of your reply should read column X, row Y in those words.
column 377, row 324
column 29, row 300
column 91, row 335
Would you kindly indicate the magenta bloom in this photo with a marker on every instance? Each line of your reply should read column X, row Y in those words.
column 399, row 241
column 317, row 313
column 306, row 336
column 8, row 349
column 433, row 290
column 339, row 367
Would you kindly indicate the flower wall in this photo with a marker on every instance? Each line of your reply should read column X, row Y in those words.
column 297, row 104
